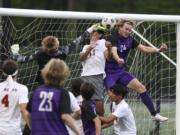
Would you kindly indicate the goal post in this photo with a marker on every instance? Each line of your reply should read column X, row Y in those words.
column 178, row 80
column 160, row 73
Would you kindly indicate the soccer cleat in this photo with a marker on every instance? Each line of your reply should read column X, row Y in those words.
column 159, row 118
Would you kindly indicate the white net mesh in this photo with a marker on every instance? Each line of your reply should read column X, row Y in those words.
column 155, row 72
column 159, row 77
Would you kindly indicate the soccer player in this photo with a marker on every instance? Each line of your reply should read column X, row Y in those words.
column 76, row 102
column 122, row 42
column 75, row 89
column 49, row 106
column 121, row 117
column 93, row 57
column 50, row 49
column 91, row 121
column 13, row 101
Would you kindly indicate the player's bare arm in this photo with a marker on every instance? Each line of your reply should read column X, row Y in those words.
column 76, row 115
column 97, row 123
column 116, row 56
column 107, row 53
column 106, row 125
column 83, row 56
column 25, row 113
column 147, row 49
column 70, row 122
column 108, row 119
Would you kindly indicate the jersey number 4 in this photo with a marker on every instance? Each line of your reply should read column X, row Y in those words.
column 46, row 102
column 5, row 100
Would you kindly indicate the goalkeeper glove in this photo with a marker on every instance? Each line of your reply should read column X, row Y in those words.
column 92, row 28
column 15, row 49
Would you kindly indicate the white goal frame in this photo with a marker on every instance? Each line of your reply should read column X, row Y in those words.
column 98, row 16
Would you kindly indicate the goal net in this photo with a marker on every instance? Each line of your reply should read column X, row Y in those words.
column 155, row 71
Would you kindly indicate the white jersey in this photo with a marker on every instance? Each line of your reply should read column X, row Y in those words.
column 75, row 107
column 95, row 62
column 10, row 116
column 79, row 100
column 125, row 123
column 74, row 104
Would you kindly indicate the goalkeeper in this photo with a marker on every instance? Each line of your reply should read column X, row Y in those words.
column 50, row 49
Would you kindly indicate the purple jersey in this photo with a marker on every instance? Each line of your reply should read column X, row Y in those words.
column 123, row 47
column 88, row 114
column 46, row 107
column 116, row 73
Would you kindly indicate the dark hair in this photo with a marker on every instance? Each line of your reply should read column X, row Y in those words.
column 87, row 90
column 101, row 32
column 9, row 67
column 75, row 86
column 119, row 90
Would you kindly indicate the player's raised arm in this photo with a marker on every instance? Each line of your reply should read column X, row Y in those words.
column 79, row 40
column 116, row 56
column 17, row 56
column 108, row 51
column 148, row 49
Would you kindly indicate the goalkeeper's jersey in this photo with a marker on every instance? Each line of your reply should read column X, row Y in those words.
column 42, row 58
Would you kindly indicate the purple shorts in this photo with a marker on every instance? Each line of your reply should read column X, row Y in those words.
column 121, row 77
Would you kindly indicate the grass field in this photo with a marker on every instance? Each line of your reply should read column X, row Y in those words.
column 144, row 123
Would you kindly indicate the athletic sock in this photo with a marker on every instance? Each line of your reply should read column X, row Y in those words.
column 148, row 102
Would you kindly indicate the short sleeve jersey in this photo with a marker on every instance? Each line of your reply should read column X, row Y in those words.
column 95, row 62
column 10, row 98
column 88, row 114
column 125, row 123
column 124, row 45
column 43, row 58
column 46, row 106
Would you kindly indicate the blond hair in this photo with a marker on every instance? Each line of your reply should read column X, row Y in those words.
column 50, row 44
column 55, row 72
column 121, row 22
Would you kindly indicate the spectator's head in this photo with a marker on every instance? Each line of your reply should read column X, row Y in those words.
column 117, row 92
column 50, row 44
column 87, row 90
column 55, row 72
column 124, row 27
column 75, row 86
column 10, row 67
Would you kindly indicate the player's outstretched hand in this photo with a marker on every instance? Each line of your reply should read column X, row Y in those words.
column 93, row 43
column 15, row 49
column 93, row 27
column 163, row 48
column 120, row 61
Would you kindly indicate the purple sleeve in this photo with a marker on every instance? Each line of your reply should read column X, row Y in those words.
column 134, row 43
column 90, row 114
column 65, row 102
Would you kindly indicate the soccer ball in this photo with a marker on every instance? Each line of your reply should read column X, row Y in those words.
column 109, row 22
